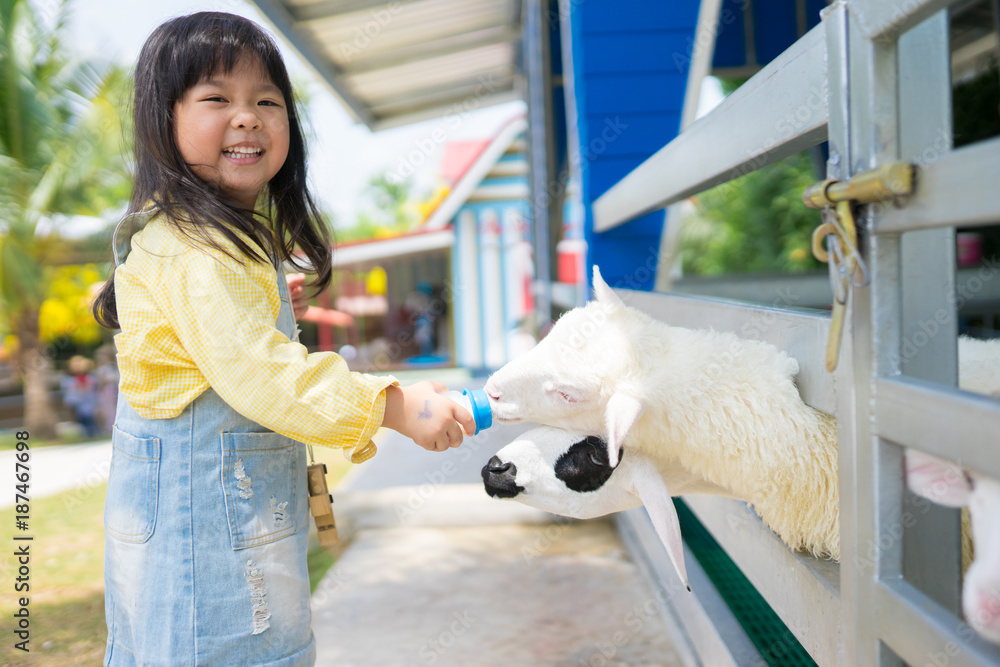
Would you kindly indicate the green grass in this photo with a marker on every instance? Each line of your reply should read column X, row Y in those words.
column 66, row 580
column 67, row 575
column 320, row 560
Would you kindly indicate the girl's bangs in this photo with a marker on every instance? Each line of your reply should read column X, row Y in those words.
column 222, row 50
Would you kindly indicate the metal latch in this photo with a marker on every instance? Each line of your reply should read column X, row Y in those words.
column 839, row 234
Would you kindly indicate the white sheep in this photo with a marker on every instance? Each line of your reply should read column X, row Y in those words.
column 706, row 411
column 709, row 412
column 954, row 486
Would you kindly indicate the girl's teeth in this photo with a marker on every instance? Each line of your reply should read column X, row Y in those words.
column 240, row 152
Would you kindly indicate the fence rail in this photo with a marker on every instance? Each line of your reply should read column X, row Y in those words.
column 883, row 21
column 730, row 142
column 803, row 591
column 922, row 633
column 704, row 629
column 959, row 188
column 887, row 67
column 939, row 420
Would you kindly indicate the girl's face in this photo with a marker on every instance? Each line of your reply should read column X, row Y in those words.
column 232, row 130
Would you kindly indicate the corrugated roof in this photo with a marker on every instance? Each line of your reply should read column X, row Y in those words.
column 400, row 62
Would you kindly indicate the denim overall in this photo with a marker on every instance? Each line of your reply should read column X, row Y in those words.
column 206, row 530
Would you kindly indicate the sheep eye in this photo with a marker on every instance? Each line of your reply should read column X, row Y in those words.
column 595, row 459
column 567, row 397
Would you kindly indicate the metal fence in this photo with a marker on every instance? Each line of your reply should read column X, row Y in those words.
column 872, row 79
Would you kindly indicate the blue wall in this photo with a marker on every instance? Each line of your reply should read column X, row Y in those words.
column 630, row 67
column 775, row 28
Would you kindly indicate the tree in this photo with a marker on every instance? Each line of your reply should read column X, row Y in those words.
column 756, row 223
column 390, row 210
column 60, row 154
column 65, row 319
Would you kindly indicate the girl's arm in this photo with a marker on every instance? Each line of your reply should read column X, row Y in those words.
column 223, row 315
column 417, row 411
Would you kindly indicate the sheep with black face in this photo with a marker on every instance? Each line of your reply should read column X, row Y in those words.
column 571, row 474
column 704, row 411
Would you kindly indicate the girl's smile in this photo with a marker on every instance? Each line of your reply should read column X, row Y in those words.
column 232, row 130
column 247, row 152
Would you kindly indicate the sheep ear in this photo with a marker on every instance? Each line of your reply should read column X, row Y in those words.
column 647, row 484
column 941, row 481
column 603, row 293
column 622, row 413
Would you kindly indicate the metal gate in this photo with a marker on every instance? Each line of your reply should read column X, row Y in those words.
column 874, row 80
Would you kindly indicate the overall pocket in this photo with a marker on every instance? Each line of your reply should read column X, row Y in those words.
column 130, row 509
column 258, row 479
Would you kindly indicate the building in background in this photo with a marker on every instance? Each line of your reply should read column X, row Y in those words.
column 459, row 289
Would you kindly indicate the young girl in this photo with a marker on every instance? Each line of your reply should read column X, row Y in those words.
column 207, row 514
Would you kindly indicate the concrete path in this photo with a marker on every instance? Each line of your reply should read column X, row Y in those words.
column 438, row 573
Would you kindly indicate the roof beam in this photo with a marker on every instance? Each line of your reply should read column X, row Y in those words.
column 403, row 116
column 491, row 82
column 445, row 46
column 329, row 8
column 282, row 22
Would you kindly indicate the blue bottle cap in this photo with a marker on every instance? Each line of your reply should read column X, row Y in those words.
column 481, row 411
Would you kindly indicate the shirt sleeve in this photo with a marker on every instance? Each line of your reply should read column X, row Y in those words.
column 224, row 314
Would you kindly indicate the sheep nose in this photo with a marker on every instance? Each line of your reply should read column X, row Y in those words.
column 492, row 391
column 499, row 479
column 498, row 467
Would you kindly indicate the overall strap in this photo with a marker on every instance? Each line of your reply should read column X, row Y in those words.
column 121, row 246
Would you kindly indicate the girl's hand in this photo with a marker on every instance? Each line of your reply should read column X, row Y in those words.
column 297, row 293
column 422, row 414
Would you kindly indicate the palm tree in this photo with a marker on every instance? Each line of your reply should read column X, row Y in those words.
column 60, row 154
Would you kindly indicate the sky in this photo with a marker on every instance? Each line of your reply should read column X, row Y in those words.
column 343, row 155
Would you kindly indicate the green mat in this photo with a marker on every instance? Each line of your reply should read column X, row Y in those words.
column 775, row 642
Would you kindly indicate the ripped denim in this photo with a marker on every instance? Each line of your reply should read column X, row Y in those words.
column 206, row 536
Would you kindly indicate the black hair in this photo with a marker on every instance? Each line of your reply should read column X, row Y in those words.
column 178, row 55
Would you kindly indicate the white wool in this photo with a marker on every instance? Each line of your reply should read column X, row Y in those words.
column 707, row 408
column 978, row 369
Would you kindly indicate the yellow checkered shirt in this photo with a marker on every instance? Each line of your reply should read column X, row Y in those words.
column 191, row 318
